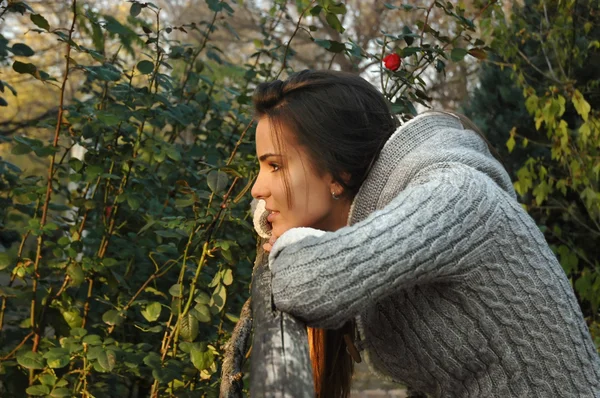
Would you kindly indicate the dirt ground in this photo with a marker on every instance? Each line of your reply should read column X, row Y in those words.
column 367, row 385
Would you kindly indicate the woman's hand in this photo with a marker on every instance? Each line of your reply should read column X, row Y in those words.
column 269, row 245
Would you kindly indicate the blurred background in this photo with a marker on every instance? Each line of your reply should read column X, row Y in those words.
column 126, row 156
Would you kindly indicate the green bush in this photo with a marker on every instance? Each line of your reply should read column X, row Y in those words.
column 540, row 101
column 128, row 259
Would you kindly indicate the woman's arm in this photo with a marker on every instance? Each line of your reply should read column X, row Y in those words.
column 427, row 233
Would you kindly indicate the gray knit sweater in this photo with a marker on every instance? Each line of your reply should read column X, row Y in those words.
column 454, row 289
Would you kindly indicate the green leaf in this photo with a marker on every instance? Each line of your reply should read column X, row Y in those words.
column 107, row 73
column 408, row 51
column 38, row 390
column 40, row 21
column 440, row 66
column 185, row 201
column 582, row 107
column 61, row 393
column 218, row 298
column 145, row 67
column 135, row 9
column 31, row 360
column 3, row 102
column 75, row 273
column 48, row 379
column 20, row 149
column 72, row 318
column 78, row 332
column 22, row 67
column 232, row 317
column 109, row 119
column 510, row 144
column 202, row 359
column 316, row 10
column 214, row 5
column 50, row 227
column 201, row 313
column 176, row 290
column 326, row 44
column 339, row 8
column 458, row 54
column 57, row 358
column 114, row 26
column 334, row 22
column 107, row 360
column 227, row 277
column 408, row 36
column 152, row 311
column 152, row 360
column 331, row 45
column 202, row 298
column 75, row 164
column 217, row 181
column 22, row 50
column 531, row 104
column 112, row 317
column 133, row 202
column 5, row 260
column 189, row 327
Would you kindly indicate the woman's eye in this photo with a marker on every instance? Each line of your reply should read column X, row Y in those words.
column 274, row 166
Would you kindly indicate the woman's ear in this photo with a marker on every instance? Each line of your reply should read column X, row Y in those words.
column 336, row 188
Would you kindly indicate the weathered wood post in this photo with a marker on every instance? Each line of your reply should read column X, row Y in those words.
column 280, row 361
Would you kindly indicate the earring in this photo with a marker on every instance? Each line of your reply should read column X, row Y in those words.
column 334, row 196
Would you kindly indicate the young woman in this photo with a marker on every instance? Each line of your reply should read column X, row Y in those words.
column 413, row 234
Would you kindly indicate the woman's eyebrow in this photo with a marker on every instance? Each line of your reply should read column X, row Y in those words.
column 264, row 157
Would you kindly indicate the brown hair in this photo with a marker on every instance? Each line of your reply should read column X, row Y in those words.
column 339, row 118
column 332, row 365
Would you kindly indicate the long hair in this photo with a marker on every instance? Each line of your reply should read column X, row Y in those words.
column 339, row 118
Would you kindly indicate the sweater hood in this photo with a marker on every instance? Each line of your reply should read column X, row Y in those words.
column 430, row 138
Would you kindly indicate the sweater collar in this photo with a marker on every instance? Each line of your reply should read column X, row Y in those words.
column 406, row 138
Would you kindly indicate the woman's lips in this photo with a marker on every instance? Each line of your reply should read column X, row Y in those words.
column 272, row 216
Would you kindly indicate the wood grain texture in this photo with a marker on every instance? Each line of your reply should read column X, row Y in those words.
column 280, row 360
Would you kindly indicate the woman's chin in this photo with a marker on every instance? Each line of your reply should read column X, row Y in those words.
column 279, row 229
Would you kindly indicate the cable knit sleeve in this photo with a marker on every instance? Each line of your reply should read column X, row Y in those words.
column 429, row 232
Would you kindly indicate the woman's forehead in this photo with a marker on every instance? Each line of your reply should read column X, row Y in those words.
column 273, row 137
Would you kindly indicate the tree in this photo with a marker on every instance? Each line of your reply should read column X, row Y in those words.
column 541, row 99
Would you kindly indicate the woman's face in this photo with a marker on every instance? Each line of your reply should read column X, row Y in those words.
column 311, row 203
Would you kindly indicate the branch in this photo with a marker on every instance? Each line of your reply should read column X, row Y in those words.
column 59, row 118
column 551, row 78
column 287, row 47
column 193, row 62
column 13, row 127
column 553, row 44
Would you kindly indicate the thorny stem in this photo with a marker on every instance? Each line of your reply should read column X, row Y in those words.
column 10, row 354
column 191, row 64
column 287, row 47
column 425, row 24
column 209, row 232
column 36, row 338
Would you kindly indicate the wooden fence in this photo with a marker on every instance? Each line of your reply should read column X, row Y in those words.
column 280, row 360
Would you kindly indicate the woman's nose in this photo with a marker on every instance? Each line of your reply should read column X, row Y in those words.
column 259, row 189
